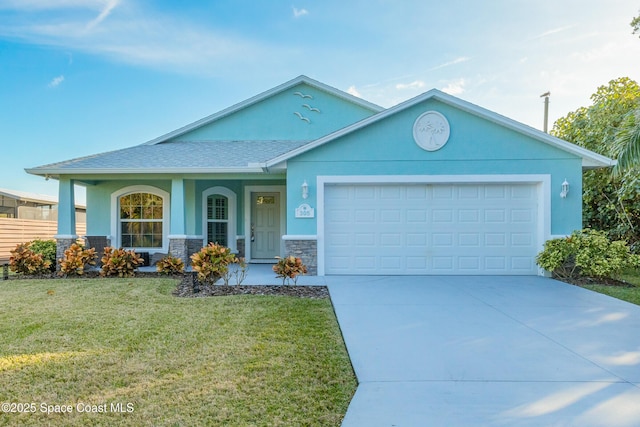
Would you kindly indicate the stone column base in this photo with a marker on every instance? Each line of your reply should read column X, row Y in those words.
column 305, row 249
column 62, row 244
column 240, row 247
column 184, row 247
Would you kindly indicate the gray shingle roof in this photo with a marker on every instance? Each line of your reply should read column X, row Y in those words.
column 191, row 156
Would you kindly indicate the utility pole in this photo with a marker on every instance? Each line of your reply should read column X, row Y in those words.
column 546, row 110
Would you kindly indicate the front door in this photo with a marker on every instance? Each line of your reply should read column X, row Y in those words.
column 265, row 225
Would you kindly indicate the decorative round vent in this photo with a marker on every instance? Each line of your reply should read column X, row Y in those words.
column 431, row 131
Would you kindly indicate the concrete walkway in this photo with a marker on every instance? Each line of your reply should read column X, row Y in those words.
column 488, row 351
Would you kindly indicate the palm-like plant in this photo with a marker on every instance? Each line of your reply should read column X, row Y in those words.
column 627, row 143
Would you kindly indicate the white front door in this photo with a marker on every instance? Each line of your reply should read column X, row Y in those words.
column 265, row 225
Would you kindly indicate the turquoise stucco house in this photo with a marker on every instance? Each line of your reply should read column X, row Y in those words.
column 434, row 185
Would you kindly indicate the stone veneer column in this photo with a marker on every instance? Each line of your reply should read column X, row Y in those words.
column 62, row 244
column 305, row 249
column 184, row 247
column 240, row 247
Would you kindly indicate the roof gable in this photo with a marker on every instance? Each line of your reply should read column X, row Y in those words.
column 589, row 158
column 300, row 109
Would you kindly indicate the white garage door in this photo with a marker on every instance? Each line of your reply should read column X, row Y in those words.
column 430, row 228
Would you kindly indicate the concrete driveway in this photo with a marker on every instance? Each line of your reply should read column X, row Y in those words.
column 488, row 351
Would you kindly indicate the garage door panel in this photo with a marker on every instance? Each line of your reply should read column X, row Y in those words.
column 431, row 229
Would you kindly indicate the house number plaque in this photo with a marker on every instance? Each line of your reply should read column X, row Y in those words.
column 305, row 211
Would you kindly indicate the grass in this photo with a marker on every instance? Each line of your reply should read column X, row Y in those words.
column 630, row 294
column 232, row 361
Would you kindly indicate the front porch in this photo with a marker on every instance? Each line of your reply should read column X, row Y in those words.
column 179, row 216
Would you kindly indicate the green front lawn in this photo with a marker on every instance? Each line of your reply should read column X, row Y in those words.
column 128, row 345
column 630, row 294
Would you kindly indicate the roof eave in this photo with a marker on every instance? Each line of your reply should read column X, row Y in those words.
column 55, row 172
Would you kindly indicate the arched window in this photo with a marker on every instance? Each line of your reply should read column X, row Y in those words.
column 219, row 216
column 141, row 218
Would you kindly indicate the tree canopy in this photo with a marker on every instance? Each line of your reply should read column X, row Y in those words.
column 635, row 24
column 610, row 203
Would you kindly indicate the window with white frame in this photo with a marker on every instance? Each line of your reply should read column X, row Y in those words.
column 219, row 216
column 141, row 220
column 218, row 219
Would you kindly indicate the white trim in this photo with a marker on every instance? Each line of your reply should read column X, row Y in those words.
column 166, row 215
column 589, row 158
column 282, row 190
column 65, row 236
column 543, row 182
column 56, row 171
column 232, row 227
column 300, row 237
column 558, row 236
column 186, row 236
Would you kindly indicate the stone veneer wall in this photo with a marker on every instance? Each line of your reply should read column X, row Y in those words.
column 184, row 248
column 62, row 244
column 307, row 250
column 240, row 247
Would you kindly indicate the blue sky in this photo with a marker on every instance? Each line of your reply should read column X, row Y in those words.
column 79, row 77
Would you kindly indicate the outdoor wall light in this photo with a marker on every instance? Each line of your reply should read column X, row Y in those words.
column 305, row 190
column 565, row 189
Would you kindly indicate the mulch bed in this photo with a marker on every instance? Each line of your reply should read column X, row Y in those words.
column 190, row 287
column 583, row 281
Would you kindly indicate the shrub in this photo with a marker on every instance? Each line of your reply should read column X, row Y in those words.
column 586, row 253
column 170, row 265
column 46, row 248
column 120, row 262
column 289, row 268
column 75, row 260
column 238, row 269
column 212, row 262
column 25, row 261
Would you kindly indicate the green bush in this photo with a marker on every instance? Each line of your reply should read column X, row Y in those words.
column 212, row 262
column 24, row 260
column 46, row 248
column 587, row 253
column 120, row 262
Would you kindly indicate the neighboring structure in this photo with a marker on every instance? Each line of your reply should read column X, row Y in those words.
column 28, row 216
column 434, row 185
column 24, row 205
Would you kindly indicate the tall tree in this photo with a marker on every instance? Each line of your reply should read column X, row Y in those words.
column 635, row 24
column 627, row 143
column 610, row 202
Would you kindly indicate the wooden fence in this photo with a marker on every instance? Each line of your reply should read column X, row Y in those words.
column 15, row 230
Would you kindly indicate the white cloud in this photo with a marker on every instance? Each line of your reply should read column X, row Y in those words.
column 134, row 36
column 104, row 13
column 417, row 84
column 353, row 91
column 550, row 32
column 454, row 62
column 297, row 13
column 455, row 87
column 56, row 81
